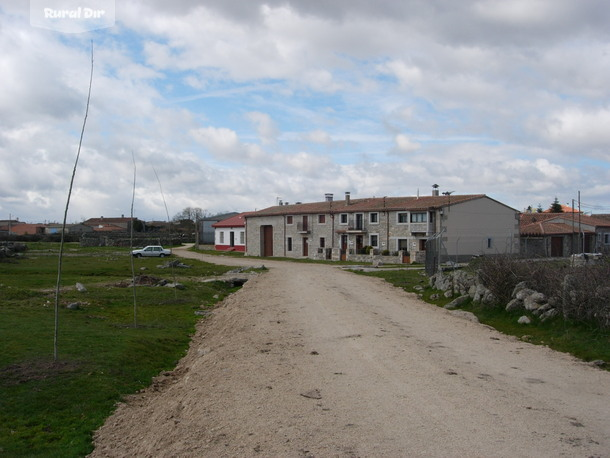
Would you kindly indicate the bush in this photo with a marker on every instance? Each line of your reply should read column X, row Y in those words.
column 581, row 293
column 585, row 294
column 500, row 274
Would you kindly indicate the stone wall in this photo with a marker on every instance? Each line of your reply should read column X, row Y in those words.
column 123, row 240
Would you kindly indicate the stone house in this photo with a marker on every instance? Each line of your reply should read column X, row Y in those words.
column 456, row 227
column 563, row 234
column 112, row 224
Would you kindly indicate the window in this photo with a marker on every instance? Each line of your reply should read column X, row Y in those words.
column 242, row 237
column 374, row 218
column 289, row 219
column 289, row 244
column 403, row 244
column 403, row 218
column 374, row 240
column 489, row 242
column 322, row 242
column 221, row 237
column 418, row 217
column 321, row 219
column 343, row 218
column 607, row 238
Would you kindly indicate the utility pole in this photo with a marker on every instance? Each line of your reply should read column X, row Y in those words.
column 582, row 244
column 572, row 226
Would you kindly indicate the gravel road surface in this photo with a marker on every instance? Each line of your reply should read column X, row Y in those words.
column 308, row 360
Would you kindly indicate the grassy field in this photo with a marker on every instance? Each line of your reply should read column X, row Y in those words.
column 587, row 342
column 50, row 408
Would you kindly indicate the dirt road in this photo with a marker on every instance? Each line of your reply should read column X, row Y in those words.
column 308, row 360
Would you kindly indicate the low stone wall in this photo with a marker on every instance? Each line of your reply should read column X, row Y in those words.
column 375, row 258
column 123, row 240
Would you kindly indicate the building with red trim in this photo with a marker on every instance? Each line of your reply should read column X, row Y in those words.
column 230, row 233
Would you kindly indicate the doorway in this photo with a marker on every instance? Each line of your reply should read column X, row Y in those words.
column 267, row 241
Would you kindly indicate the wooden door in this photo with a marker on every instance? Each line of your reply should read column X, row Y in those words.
column 305, row 247
column 267, row 249
column 556, row 247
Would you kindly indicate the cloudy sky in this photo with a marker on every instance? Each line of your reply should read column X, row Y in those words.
column 232, row 104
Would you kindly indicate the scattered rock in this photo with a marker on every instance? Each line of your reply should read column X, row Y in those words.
column 534, row 301
column 598, row 363
column 524, row 293
column 81, row 288
column 549, row 314
column 466, row 315
column 313, row 394
column 174, row 263
column 519, row 287
column 457, row 302
column 524, row 320
column 73, row 306
column 513, row 305
column 175, row 285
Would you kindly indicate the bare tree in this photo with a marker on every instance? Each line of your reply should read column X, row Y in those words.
column 133, row 269
column 63, row 227
column 195, row 215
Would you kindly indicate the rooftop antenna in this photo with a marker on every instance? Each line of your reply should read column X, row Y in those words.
column 448, row 194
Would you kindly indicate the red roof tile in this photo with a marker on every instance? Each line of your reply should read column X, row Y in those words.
column 368, row 204
column 234, row 221
column 557, row 223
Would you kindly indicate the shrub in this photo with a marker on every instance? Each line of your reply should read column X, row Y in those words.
column 581, row 293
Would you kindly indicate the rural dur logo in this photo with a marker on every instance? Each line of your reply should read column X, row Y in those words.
column 72, row 16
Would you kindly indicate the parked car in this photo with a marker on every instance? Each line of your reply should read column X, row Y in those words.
column 151, row 250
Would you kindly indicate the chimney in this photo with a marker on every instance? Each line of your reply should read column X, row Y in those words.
column 347, row 198
column 435, row 190
column 328, row 197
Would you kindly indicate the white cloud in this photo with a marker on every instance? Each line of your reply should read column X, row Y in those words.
column 405, row 145
column 266, row 128
column 318, row 136
column 224, row 144
column 577, row 129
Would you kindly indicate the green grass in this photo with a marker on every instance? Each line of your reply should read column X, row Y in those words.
column 585, row 341
column 50, row 408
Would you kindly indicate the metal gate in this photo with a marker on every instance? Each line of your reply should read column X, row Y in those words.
column 434, row 250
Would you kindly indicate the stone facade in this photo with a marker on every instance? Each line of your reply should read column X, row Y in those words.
column 345, row 230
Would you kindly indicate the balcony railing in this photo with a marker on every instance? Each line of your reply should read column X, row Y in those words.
column 302, row 227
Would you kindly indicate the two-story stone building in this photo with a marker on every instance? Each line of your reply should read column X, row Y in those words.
column 463, row 226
